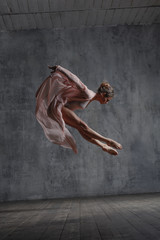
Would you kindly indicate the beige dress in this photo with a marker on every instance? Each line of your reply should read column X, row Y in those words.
column 61, row 88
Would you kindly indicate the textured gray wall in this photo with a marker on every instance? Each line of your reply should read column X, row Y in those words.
column 31, row 167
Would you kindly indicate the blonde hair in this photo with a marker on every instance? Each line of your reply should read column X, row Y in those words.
column 105, row 87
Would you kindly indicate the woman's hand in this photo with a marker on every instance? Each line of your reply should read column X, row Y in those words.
column 54, row 68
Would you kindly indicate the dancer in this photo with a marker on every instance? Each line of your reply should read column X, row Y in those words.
column 56, row 100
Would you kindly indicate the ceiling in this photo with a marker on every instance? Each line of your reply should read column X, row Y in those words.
column 18, row 15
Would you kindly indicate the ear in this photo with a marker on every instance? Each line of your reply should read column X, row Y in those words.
column 103, row 94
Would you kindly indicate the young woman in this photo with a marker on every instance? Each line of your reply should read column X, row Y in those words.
column 56, row 100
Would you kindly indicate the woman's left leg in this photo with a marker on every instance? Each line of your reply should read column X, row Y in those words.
column 74, row 121
column 104, row 146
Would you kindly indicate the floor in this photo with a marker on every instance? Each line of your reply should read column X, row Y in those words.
column 112, row 217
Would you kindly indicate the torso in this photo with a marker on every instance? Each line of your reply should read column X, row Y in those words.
column 81, row 104
column 74, row 105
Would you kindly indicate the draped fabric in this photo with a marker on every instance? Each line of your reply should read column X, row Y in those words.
column 61, row 88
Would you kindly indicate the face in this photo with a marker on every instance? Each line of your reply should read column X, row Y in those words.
column 103, row 99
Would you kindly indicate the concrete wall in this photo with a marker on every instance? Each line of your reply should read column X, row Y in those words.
column 31, row 167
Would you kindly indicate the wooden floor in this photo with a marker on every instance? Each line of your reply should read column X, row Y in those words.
column 113, row 217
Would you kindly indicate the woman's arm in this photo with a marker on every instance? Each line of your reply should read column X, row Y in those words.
column 63, row 70
column 69, row 75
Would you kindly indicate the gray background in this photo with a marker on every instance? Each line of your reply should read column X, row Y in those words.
column 31, row 167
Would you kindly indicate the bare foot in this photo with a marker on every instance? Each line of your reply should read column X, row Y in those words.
column 110, row 150
column 114, row 144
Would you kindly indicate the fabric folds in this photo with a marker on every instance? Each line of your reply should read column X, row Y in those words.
column 61, row 88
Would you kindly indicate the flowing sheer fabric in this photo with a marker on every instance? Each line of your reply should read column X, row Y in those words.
column 61, row 88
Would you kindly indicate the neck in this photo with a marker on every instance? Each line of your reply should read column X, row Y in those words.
column 96, row 97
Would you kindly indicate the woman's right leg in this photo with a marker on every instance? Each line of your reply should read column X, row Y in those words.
column 93, row 134
column 90, row 135
column 104, row 146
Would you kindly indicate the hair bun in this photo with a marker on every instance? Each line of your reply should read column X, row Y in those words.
column 105, row 87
